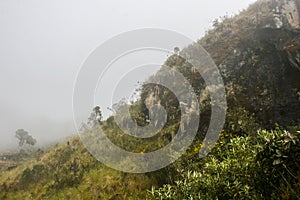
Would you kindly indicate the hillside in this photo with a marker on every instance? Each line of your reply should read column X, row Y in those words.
column 70, row 172
column 257, row 155
column 258, row 60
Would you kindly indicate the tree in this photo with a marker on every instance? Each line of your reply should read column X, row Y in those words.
column 24, row 138
column 95, row 117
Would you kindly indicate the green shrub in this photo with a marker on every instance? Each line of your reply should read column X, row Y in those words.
column 246, row 167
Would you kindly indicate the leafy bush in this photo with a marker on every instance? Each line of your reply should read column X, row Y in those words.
column 246, row 167
column 280, row 161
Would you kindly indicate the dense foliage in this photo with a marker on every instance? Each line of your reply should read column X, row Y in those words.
column 243, row 167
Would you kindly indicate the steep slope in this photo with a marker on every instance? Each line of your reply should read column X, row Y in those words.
column 258, row 55
column 260, row 59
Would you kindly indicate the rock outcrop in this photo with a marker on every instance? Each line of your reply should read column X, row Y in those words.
column 264, row 67
column 258, row 54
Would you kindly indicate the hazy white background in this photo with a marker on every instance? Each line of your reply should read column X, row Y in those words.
column 44, row 42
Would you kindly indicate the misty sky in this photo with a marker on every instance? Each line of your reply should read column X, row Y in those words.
column 43, row 44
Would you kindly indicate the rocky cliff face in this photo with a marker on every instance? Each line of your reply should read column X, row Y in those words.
column 278, row 14
column 263, row 68
column 265, row 78
column 258, row 54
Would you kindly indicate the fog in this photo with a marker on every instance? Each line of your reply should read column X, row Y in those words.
column 44, row 43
